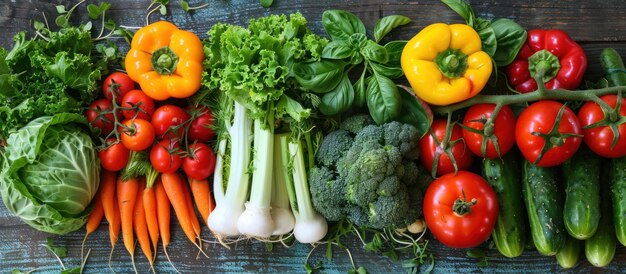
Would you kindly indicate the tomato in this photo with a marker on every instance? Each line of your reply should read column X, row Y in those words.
column 165, row 156
column 138, row 134
column 200, row 128
column 200, row 163
column 114, row 157
column 503, row 130
column 100, row 115
column 123, row 82
column 134, row 98
column 430, row 149
column 460, row 210
column 539, row 119
column 600, row 139
column 165, row 118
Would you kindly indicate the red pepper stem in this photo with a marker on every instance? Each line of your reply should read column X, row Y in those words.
column 543, row 65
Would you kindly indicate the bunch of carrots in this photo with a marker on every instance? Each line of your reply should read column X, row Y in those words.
column 137, row 202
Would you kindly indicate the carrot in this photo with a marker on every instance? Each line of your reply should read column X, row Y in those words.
column 150, row 207
column 127, row 198
column 191, row 211
column 163, row 212
column 175, row 188
column 94, row 219
column 109, row 204
column 202, row 197
column 140, row 225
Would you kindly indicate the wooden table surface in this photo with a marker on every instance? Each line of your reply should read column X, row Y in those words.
column 596, row 24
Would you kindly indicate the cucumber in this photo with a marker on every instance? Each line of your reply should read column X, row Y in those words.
column 569, row 254
column 581, row 212
column 600, row 248
column 617, row 179
column 613, row 66
column 615, row 72
column 544, row 203
column 511, row 230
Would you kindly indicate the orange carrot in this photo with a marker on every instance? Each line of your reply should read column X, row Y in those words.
column 202, row 197
column 140, row 226
column 94, row 219
column 109, row 204
column 127, row 198
column 150, row 207
column 175, row 188
column 163, row 212
column 191, row 211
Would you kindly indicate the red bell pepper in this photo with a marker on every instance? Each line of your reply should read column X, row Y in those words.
column 552, row 55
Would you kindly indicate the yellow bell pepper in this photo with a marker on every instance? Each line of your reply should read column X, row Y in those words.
column 165, row 61
column 445, row 64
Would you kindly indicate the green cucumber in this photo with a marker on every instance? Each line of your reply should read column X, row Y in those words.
column 544, row 203
column 613, row 66
column 617, row 179
column 581, row 212
column 600, row 248
column 511, row 230
column 569, row 254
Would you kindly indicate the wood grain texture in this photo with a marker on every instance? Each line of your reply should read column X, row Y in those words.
column 595, row 24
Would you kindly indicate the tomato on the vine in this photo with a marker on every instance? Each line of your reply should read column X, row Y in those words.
column 599, row 137
column 540, row 140
column 460, row 210
column 166, row 118
column 114, row 157
column 200, row 163
column 165, row 156
column 100, row 115
column 120, row 80
column 136, row 98
column 137, row 134
column 432, row 148
column 200, row 128
column 502, row 130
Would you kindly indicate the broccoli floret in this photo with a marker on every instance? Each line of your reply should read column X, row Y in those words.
column 332, row 148
column 373, row 180
column 326, row 192
column 356, row 123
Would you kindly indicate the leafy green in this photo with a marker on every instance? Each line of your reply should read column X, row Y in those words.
column 387, row 24
column 267, row 3
column 341, row 24
column 510, row 38
column 50, row 173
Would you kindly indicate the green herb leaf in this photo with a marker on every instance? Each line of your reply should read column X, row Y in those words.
column 293, row 108
column 87, row 26
column 510, row 38
column 394, row 50
column 463, row 9
column 339, row 24
column 338, row 49
column 387, row 24
column 391, row 72
column 487, row 36
column 266, row 3
column 38, row 25
column 60, row 252
column 163, row 9
column 383, row 99
column 375, row 52
column 75, row 270
column 320, row 77
column 359, row 92
column 476, row 253
column 61, row 21
column 61, row 9
column 415, row 111
column 184, row 5
column 93, row 11
column 338, row 100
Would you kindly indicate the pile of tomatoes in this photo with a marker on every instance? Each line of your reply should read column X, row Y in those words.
column 174, row 133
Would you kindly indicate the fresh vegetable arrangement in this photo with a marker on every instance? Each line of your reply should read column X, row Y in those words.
column 272, row 133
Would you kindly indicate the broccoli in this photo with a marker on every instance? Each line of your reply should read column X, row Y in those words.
column 368, row 174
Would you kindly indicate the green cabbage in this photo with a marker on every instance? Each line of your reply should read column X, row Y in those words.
column 50, row 173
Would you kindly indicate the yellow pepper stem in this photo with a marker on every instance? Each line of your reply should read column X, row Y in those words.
column 452, row 63
column 164, row 61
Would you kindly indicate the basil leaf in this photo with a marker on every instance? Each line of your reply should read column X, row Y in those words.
column 487, row 36
column 375, row 52
column 463, row 9
column 339, row 49
column 392, row 72
column 387, row 24
column 383, row 99
column 293, row 108
column 510, row 37
column 359, row 92
column 338, row 100
column 394, row 49
column 319, row 77
column 415, row 111
column 339, row 24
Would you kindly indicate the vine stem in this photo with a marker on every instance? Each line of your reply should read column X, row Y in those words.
column 539, row 94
